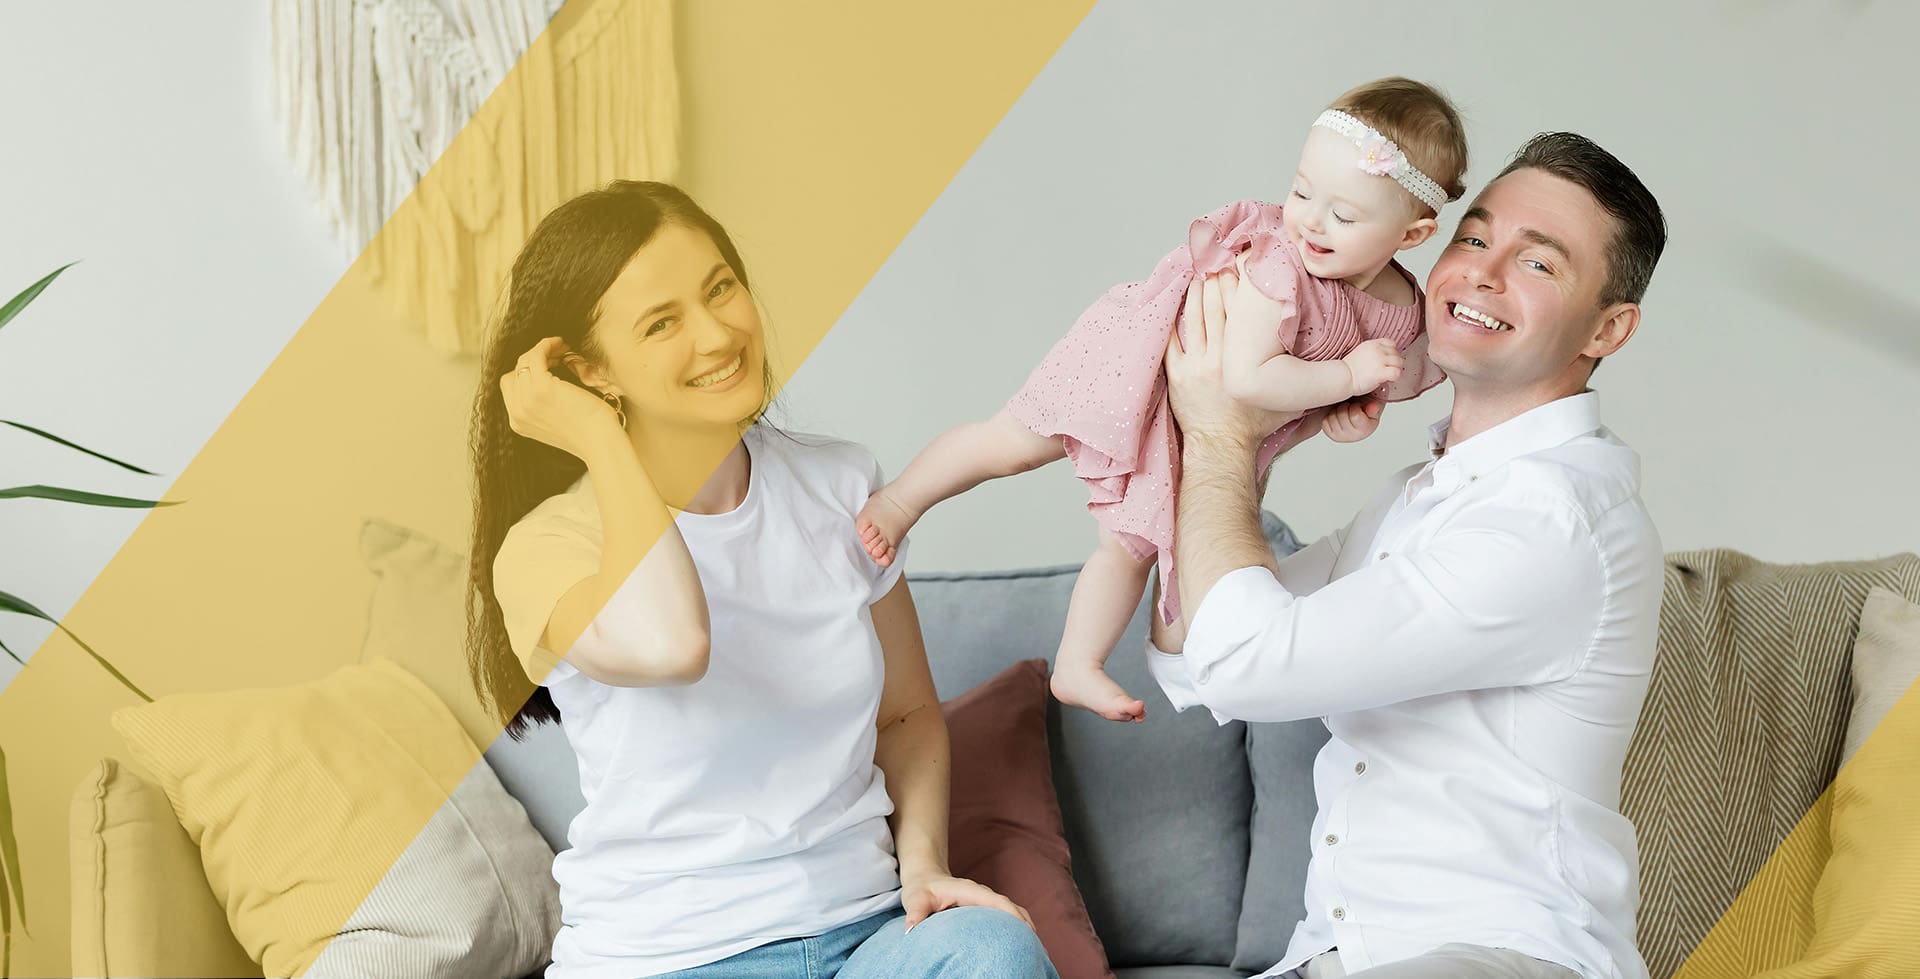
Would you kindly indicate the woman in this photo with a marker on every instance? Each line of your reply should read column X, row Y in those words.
column 759, row 742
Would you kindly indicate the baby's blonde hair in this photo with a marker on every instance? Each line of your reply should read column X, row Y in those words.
column 1420, row 120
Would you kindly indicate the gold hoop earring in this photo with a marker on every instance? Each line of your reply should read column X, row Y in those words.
column 616, row 401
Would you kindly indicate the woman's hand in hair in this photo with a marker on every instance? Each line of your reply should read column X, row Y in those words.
column 554, row 410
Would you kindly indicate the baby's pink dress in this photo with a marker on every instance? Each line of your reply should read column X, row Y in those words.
column 1103, row 387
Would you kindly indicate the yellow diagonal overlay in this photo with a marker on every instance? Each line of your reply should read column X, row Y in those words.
column 817, row 132
column 1841, row 895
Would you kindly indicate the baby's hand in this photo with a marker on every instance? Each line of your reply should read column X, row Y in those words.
column 1352, row 421
column 1374, row 363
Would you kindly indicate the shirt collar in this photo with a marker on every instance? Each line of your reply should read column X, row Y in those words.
column 1531, row 431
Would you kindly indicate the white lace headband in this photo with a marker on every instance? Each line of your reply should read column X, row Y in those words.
column 1381, row 158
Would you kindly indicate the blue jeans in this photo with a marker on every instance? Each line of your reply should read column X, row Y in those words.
column 958, row 943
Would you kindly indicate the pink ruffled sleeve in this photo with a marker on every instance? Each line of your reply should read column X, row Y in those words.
column 1273, row 266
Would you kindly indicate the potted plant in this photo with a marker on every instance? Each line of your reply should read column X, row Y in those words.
column 13, row 904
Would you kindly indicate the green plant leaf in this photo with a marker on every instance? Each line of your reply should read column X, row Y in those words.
column 19, row 302
column 14, row 603
column 79, row 496
column 10, row 851
column 97, row 455
column 9, row 652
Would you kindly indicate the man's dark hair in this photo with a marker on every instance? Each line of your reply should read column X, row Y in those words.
column 1639, row 229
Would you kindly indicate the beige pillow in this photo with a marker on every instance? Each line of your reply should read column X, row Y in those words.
column 417, row 618
column 472, row 896
column 1863, row 907
column 308, row 804
column 1886, row 661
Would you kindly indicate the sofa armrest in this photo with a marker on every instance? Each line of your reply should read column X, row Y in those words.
column 141, row 905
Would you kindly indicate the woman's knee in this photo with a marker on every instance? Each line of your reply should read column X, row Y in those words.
column 985, row 943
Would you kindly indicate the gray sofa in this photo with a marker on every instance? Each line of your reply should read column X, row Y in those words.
column 1160, row 816
column 1189, row 839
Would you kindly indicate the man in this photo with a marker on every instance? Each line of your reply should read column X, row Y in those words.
column 1478, row 640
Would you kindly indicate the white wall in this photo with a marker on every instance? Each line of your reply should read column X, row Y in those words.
column 139, row 138
column 1771, row 401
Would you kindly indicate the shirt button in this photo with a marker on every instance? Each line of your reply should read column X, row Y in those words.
column 1339, row 914
column 1332, row 839
column 1383, row 555
column 1359, row 768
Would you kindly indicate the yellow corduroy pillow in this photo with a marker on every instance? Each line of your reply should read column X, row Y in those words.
column 300, row 798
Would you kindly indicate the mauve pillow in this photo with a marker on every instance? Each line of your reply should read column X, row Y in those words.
column 1006, row 830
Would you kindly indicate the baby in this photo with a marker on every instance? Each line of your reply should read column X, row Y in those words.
column 1375, row 171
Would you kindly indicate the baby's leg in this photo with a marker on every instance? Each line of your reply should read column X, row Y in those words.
column 958, row 460
column 1103, row 601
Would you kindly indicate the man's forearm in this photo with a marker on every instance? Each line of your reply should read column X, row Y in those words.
column 1217, row 524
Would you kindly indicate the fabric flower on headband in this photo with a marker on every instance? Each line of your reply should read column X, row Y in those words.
column 1378, row 155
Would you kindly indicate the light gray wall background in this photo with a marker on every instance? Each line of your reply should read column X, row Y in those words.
column 1771, row 391
column 138, row 138
column 1772, row 386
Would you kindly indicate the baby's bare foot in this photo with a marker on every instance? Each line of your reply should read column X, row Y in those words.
column 882, row 524
column 1090, row 687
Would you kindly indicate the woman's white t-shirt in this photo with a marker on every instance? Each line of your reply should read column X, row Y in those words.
column 744, row 808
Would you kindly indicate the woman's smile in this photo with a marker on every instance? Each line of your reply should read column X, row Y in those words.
column 723, row 377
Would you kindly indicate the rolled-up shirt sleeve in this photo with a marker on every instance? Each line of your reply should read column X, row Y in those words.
column 1303, row 572
column 1169, row 670
column 1506, row 595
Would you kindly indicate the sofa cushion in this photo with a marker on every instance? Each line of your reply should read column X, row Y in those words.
column 1863, row 906
column 305, row 800
column 1158, row 813
column 1281, row 758
column 1826, row 903
column 1742, row 730
column 417, row 617
column 1861, row 924
column 1005, row 830
column 1886, row 662
column 472, row 896
column 541, row 771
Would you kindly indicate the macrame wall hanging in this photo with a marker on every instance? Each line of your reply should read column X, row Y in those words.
column 370, row 93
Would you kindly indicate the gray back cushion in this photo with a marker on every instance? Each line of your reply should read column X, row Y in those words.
column 541, row 772
column 1281, row 756
column 1156, row 813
